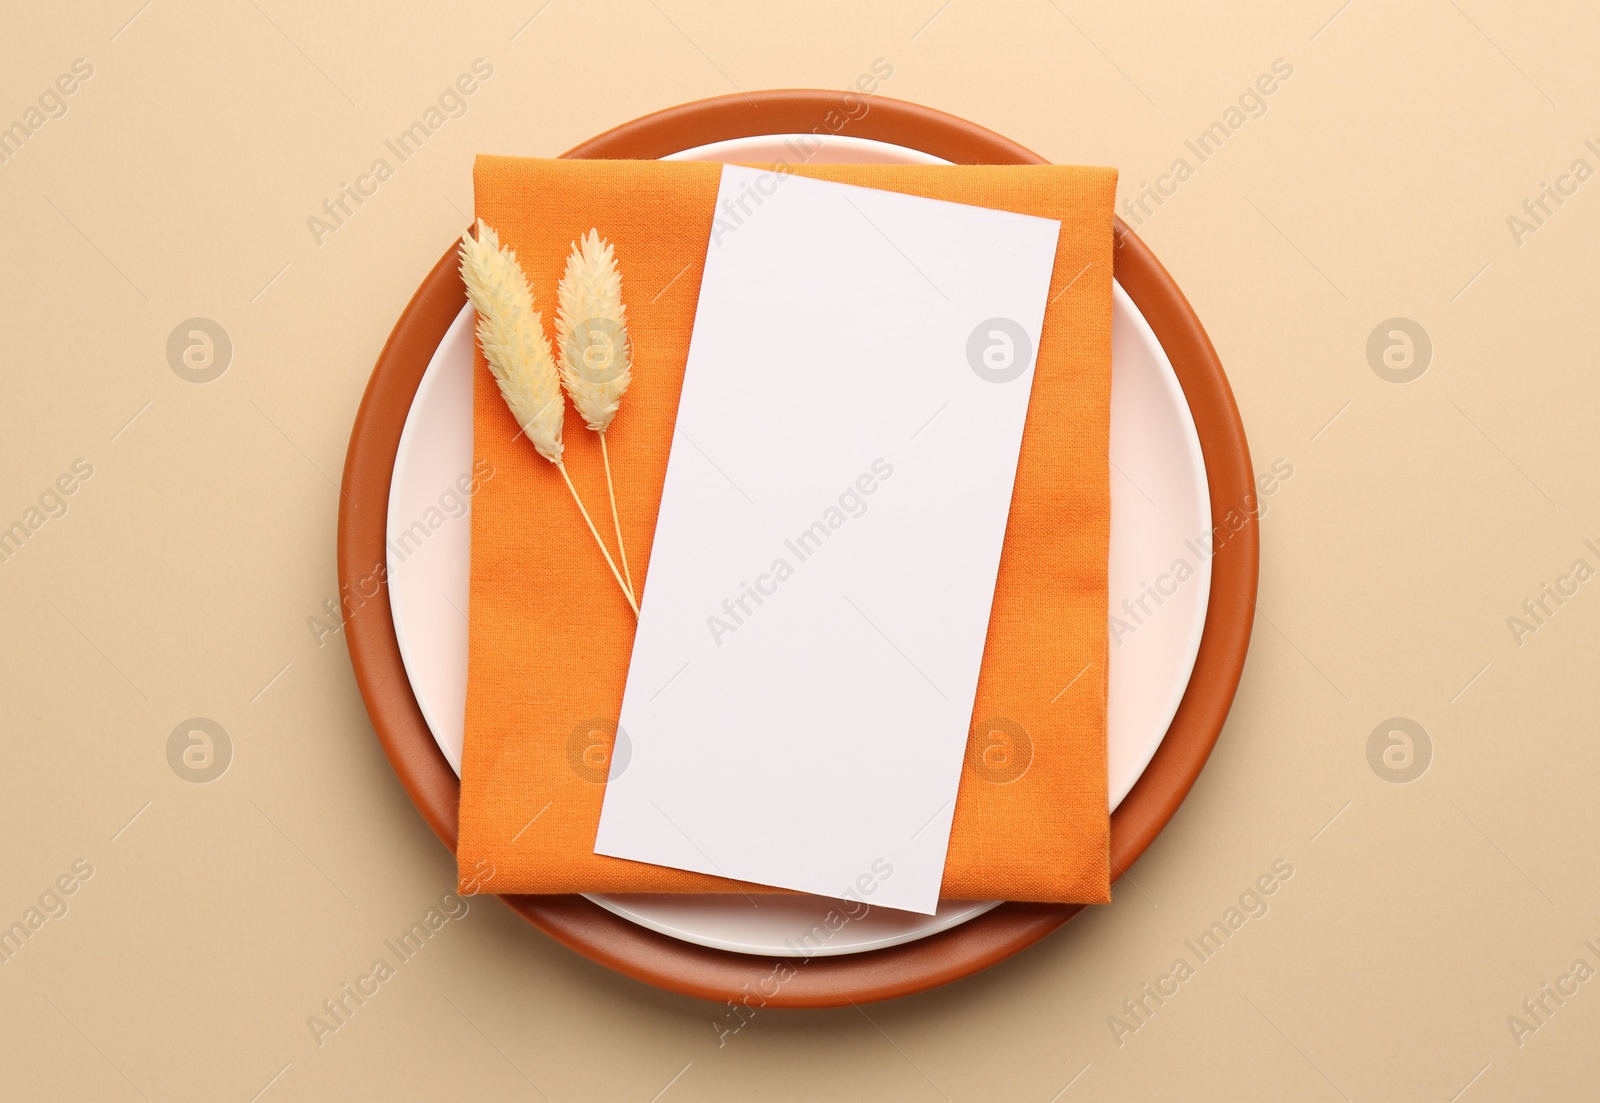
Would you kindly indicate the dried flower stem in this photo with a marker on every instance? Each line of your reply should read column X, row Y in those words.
column 622, row 551
column 626, row 589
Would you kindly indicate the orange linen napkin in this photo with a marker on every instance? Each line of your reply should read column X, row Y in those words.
column 550, row 635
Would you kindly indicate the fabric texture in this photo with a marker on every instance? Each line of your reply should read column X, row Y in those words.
column 550, row 634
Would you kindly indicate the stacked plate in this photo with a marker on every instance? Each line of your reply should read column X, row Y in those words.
column 412, row 662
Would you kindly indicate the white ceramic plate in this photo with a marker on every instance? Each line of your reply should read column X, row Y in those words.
column 1160, row 513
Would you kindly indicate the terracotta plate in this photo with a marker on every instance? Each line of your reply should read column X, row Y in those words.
column 899, row 970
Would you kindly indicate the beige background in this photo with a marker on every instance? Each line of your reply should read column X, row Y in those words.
column 1419, row 517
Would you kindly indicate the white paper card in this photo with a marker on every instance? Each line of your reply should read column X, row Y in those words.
column 802, row 681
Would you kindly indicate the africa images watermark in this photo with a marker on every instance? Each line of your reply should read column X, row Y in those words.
column 199, row 350
column 51, row 104
column 1137, row 611
column 1399, row 750
column 1551, row 996
column 451, row 104
column 806, row 945
column 339, row 1009
column 1543, row 205
column 1138, row 208
column 1538, row 610
column 1140, row 1008
column 599, row 750
column 851, row 503
column 451, row 505
column 999, row 750
column 51, row 905
column 199, row 750
column 51, row 505
column 854, row 105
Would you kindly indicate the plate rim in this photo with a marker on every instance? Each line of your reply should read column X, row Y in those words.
column 879, row 974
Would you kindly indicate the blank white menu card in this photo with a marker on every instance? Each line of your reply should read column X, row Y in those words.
column 818, row 595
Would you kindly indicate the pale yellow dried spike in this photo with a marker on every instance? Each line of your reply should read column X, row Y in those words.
column 514, row 343
column 592, row 331
column 513, row 339
column 596, row 356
